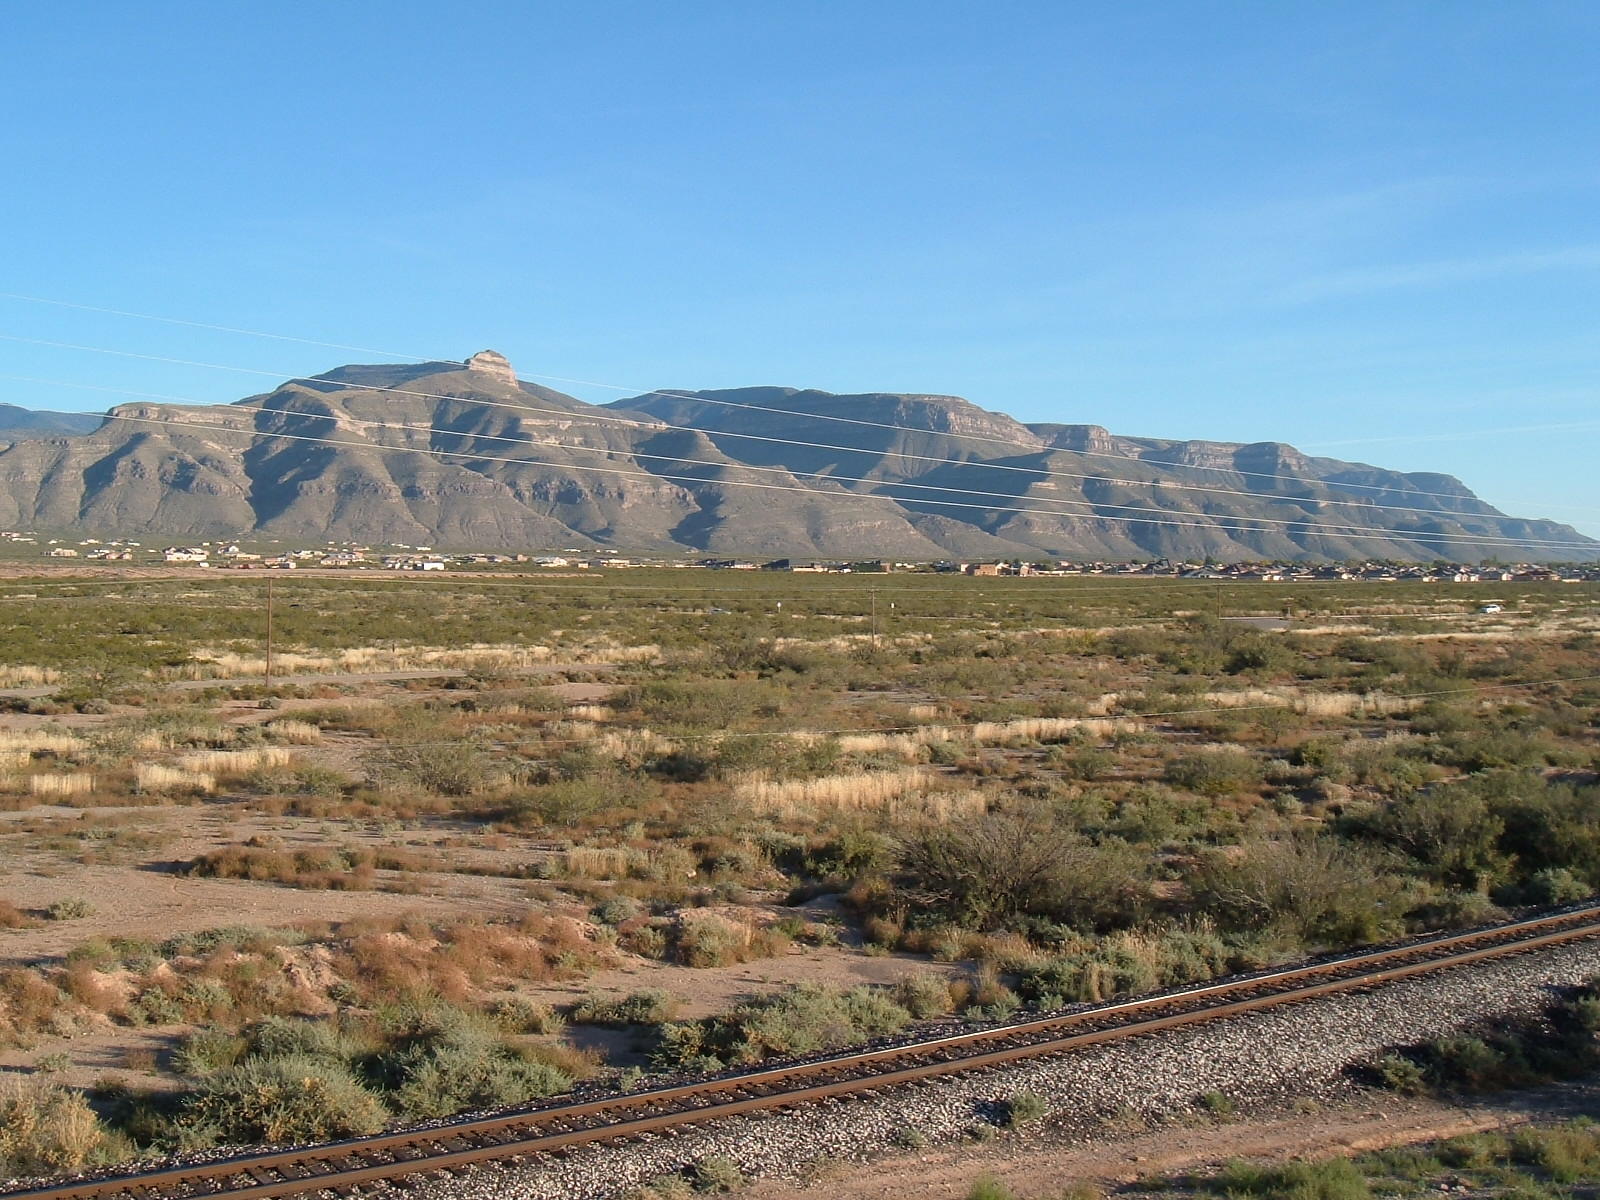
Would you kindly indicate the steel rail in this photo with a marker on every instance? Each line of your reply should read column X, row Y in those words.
column 351, row 1163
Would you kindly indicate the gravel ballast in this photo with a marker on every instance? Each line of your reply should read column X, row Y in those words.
column 1300, row 1050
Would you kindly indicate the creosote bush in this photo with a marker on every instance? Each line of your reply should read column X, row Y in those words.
column 803, row 1020
column 46, row 1128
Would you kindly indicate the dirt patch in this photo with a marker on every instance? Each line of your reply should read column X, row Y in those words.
column 1369, row 1121
column 707, row 990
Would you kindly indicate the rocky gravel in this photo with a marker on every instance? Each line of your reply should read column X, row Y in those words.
column 1254, row 1059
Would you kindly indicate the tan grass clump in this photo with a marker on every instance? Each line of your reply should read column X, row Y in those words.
column 1048, row 729
column 899, row 794
column 236, row 762
column 906, row 746
column 632, row 746
column 57, row 785
column 588, row 712
column 153, row 777
column 1353, row 704
column 39, row 741
column 24, row 675
column 364, row 660
column 60, row 785
column 1245, row 698
column 294, row 733
column 577, row 731
column 859, row 789
column 596, row 862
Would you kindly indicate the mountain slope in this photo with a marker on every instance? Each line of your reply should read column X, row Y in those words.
column 465, row 454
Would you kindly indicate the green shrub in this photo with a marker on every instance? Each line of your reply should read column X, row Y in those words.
column 1217, row 1104
column 616, row 910
column 45, row 1128
column 458, row 768
column 1329, row 1179
column 923, row 995
column 516, row 1014
column 987, row 1187
column 651, row 1006
column 1001, row 866
column 1025, row 1107
column 290, row 1099
column 446, row 1070
column 1215, row 773
column 208, row 1051
column 803, row 1020
column 716, row 1173
column 1400, row 1074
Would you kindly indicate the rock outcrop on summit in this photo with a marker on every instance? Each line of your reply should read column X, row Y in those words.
column 467, row 455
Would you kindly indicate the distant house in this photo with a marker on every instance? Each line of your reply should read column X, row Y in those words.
column 192, row 554
column 984, row 569
column 61, row 552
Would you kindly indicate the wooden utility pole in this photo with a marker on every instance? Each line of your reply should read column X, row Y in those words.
column 269, row 625
column 874, row 618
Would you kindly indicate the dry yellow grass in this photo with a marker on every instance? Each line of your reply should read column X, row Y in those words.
column 294, row 733
column 153, row 777
column 1313, row 704
column 1048, row 729
column 60, row 785
column 899, row 794
column 588, row 712
column 860, row 789
column 1243, row 698
column 906, row 746
column 235, row 762
column 39, row 741
column 1346, row 704
column 363, row 660
column 12, row 675
column 631, row 745
column 597, row 862
column 577, row 731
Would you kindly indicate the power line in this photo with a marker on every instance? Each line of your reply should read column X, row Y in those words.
column 675, row 394
column 314, row 576
column 1357, row 534
column 1096, row 507
column 662, row 426
column 1261, row 524
column 822, row 475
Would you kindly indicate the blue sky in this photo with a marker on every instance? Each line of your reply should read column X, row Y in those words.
column 1369, row 229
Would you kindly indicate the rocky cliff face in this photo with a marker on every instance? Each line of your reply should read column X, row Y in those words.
column 464, row 454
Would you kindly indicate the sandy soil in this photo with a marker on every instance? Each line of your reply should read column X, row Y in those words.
column 1122, row 1158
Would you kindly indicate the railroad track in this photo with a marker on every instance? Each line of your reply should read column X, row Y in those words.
column 342, row 1167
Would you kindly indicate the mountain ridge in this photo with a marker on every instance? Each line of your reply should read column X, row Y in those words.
column 466, row 454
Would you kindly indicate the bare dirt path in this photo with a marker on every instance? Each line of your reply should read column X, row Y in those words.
column 1370, row 1121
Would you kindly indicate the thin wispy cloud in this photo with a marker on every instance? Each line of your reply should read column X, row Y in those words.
column 1458, row 436
column 1443, row 273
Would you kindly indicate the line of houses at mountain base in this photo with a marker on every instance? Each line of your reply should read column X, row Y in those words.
column 222, row 555
column 1230, row 573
